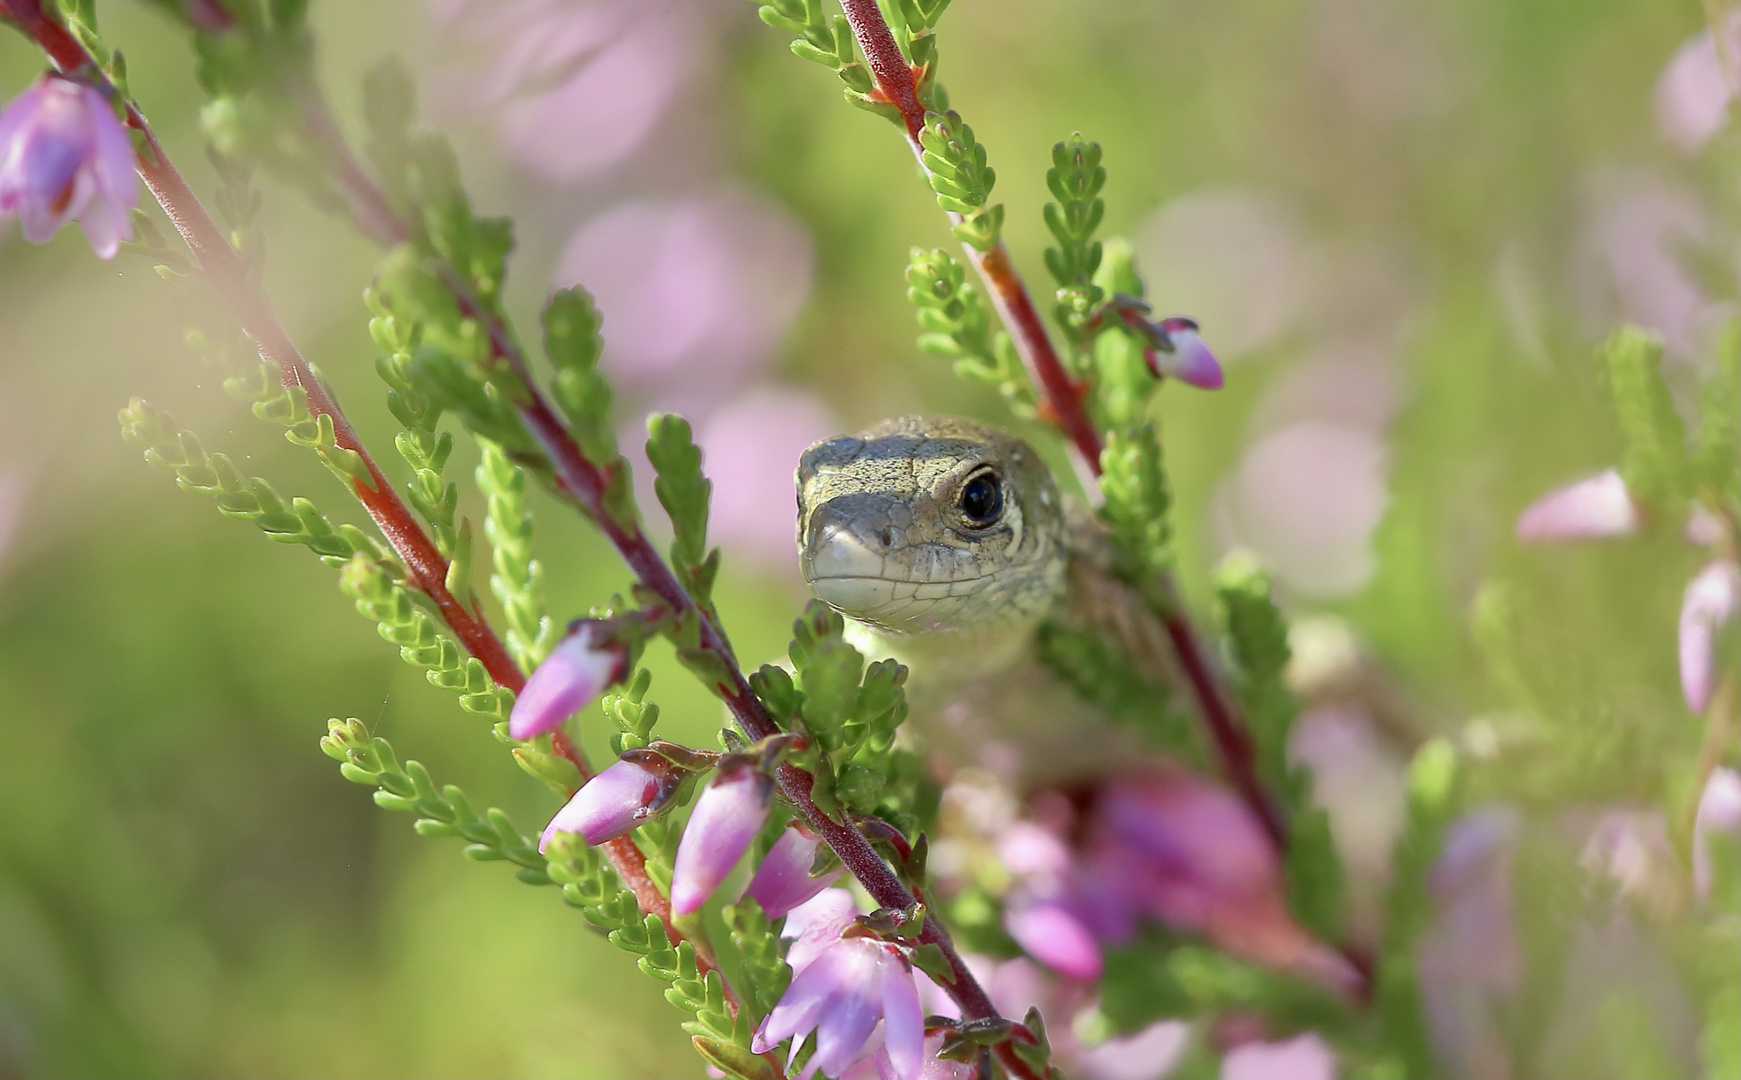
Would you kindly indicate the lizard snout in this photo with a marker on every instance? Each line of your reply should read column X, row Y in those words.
column 846, row 542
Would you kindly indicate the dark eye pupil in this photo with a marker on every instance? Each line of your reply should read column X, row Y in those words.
column 982, row 499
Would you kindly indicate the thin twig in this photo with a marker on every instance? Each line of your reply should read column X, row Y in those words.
column 1064, row 399
column 426, row 569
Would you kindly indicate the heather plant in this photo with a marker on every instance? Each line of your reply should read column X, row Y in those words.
column 1186, row 918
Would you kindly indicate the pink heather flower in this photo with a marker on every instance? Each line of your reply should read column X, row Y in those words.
column 1304, row 1057
column 841, row 995
column 1595, row 508
column 1719, row 812
column 816, row 924
column 1054, row 935
column 636, row 787
column 1692, row 95
column 727, row 817
column 575, row 672
column 63, row 157
column 1706, row 608
column 784, row 881
column 1188, row 359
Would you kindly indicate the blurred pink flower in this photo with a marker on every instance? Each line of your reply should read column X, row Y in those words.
column 727, row 816
column 696, row 293
column 1632, row 265
column 1719, row 813
column 1048, row 930
column 1306, row 499
column 1693, row 95
column 1148, row 1054
column 1168, row 844
column 12, row 489
column 1707, row 607
column 1468, row 962
column 64, row 156
column 1232, row 258
column 1304, row 1057
column 1631, row 849
column 575, row 673
column 751, row 444
column 1350, row 383
column 572, row 87
column 1595, row 508
column 1358, row 779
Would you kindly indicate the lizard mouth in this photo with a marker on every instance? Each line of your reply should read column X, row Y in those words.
column 875, row 587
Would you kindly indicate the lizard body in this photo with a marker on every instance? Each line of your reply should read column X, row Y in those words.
column 946, row 543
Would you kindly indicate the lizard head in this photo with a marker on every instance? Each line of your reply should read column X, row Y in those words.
column 931, row 523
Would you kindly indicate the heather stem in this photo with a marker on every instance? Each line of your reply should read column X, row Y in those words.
column 1064, row 398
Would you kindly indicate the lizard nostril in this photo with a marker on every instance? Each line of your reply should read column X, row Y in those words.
column 887, row 537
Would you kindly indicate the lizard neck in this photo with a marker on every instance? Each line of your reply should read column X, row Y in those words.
column 939, row 658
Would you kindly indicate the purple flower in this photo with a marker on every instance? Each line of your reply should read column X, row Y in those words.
column 784, row 880
column 1054, row 935
column 1595, row 508
column 841, row 995
column 1707, row 607
column 1184, row 356
column 1168, row 844
column 727, row 817
column 575, row 672
column 637, row 787
column 64, row 156
column 1719, row 812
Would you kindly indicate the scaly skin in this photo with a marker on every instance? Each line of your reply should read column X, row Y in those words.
column 887, row 537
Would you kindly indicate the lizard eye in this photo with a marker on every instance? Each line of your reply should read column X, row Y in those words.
column 982, row 499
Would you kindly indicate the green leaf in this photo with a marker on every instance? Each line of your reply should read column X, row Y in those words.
column 1654, row 462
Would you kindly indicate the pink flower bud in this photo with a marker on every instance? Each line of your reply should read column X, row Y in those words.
column 1719, row 812
column 575, row 672
column 784, row 881
column 1184, row 356
column 637, row 787
column 727, row 817
column 63, row 157
column 1708, row 605
column 1595, row 508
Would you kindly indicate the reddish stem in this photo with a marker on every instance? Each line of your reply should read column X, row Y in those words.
column 426, row 569
column 1009, row 295
column 894, row 76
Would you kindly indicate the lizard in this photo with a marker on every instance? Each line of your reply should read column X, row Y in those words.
column 946, row 544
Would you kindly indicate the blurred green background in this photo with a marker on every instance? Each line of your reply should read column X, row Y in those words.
column 1412, row 219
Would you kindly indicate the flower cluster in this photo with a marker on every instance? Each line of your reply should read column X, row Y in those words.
column 1162, row 844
